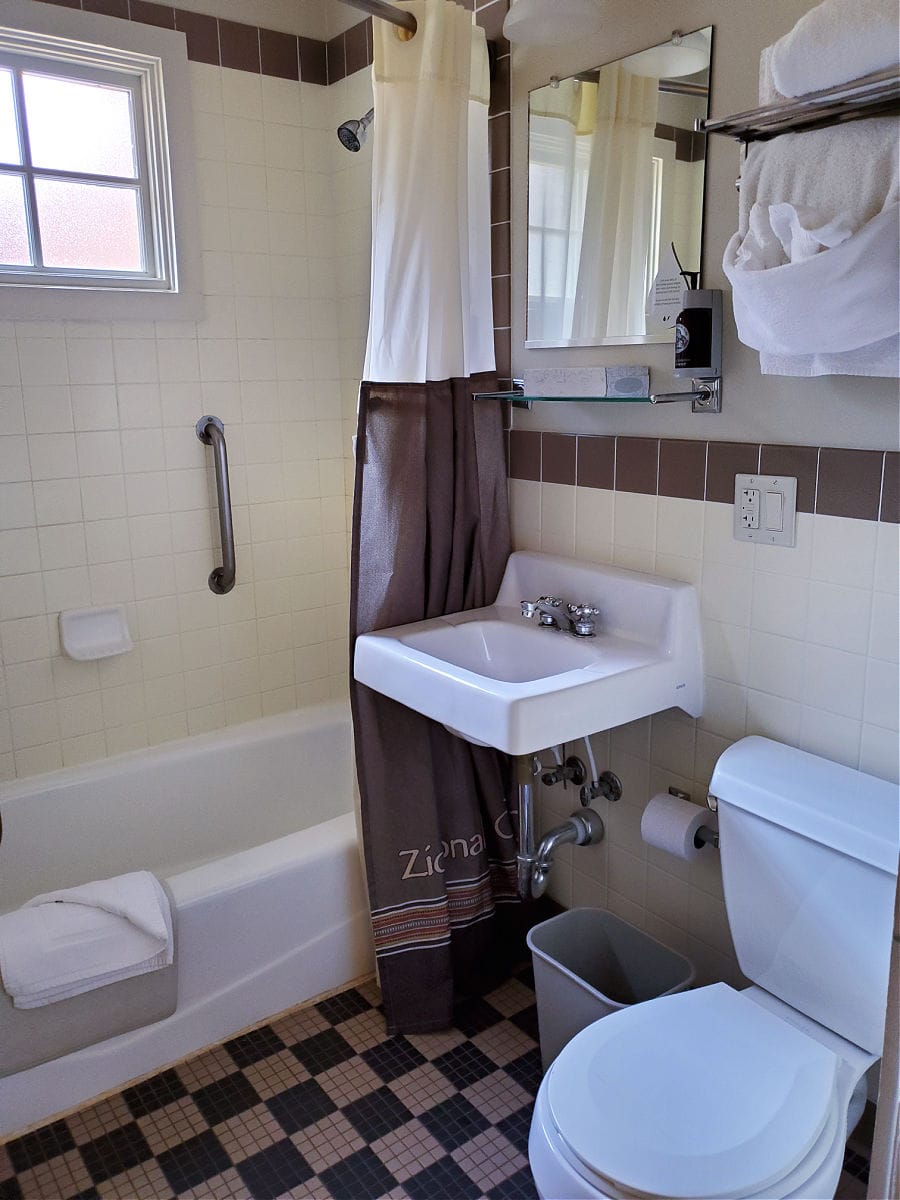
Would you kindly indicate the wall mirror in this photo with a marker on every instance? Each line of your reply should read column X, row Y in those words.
column 615, row 178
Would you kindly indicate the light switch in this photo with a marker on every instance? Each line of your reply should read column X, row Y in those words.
column 765, row 509
column 775, row 511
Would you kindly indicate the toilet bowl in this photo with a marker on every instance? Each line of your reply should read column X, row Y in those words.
column 720, row 1094
column 710, row 1094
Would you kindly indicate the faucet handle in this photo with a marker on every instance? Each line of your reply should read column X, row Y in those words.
column 529, row 608
column 583, row 610
column 553, row 601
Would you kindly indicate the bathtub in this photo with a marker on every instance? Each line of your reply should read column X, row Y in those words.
column 253, row 829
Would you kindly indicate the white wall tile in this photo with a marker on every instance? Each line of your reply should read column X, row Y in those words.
column 834, row 681
column 52, row 456
column 780, row 604
column 48, row 409
column 830, row 735
column 839, row 616
column 843, row 551
column 776, row 665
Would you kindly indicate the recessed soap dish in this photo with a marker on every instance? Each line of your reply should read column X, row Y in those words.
column 89, row 633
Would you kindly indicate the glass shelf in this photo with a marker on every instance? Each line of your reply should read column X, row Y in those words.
column 520, row 400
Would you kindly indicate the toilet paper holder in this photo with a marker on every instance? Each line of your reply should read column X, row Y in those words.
column 705, row 836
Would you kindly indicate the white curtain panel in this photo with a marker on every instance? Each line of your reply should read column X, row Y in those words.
column 612, row 285
column 430, row 313
column 559, row 159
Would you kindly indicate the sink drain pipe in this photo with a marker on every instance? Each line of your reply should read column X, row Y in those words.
column 533, row 863
column 526, row 858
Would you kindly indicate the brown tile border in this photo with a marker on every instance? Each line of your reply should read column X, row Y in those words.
column 800, row 461
column 596, row 462
column 890, row 489
column 682, row 469
column 637, row 465
column 524, row 454
column 279, row 54
column 849, row 483
column 724, row 460
column 864, row 484
column 241, row 47
column 558, row 458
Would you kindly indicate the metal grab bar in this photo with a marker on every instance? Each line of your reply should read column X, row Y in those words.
column 211, row 431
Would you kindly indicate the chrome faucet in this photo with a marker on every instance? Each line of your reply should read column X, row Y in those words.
column 577, row 619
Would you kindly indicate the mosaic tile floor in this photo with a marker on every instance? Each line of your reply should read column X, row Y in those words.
column 319, row 1105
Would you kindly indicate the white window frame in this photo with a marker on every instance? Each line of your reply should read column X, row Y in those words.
column 152, row 63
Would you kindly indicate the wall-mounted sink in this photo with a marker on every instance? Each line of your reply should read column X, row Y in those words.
column 496, row 678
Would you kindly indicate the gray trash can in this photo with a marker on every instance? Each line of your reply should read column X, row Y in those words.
column 587, row 964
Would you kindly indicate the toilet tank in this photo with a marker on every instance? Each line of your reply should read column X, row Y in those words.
column 809, row 867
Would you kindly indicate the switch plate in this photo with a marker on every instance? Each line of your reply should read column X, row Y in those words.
column 765, row 509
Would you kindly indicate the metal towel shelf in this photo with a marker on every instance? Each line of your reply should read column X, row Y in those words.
column 874, row 95
column 211, row 431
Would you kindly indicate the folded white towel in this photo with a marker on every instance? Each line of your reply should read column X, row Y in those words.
column 63, row 943
column 804, row 196
column 835, row 42
column 838, row 300
column 880, row 360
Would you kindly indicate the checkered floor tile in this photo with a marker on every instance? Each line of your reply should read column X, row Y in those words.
column 318, row 1105
column 321, row 1105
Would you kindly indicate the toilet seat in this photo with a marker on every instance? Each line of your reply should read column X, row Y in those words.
column 703, row 1094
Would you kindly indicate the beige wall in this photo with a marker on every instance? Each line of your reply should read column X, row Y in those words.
column 106, row 493
column 800, row 644
column 831, row 411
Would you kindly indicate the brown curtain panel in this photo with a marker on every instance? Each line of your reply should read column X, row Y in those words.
column 430, row 536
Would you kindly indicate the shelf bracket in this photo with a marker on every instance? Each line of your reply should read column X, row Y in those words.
column 705, row 396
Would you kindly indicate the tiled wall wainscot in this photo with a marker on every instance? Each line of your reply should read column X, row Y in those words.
column 800, row 644
column 105, row 490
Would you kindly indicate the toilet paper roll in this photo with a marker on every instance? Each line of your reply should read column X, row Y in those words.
column 671, row 824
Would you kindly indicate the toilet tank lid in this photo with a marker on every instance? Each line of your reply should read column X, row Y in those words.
column 841, row 808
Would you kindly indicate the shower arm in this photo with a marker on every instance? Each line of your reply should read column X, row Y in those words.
column 405, row 21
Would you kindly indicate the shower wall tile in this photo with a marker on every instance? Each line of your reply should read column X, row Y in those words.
column 799, row 644
column 106, row 494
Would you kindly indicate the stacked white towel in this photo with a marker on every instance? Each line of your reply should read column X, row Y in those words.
column 814, row 264
column 834, row 43
column 63, row 943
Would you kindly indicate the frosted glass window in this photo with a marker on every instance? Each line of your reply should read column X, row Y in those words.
column 86, row 170
column 10, row 151
column 79, row 126
column 89, row 226
column 15, row 244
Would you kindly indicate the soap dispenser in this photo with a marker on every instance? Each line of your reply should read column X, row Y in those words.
column 698, row 351
column 698, row 335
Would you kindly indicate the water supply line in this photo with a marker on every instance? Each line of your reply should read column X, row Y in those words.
column 584, row 828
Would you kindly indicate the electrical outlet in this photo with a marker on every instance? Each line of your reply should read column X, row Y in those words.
column 765, row 509
column 749, row 508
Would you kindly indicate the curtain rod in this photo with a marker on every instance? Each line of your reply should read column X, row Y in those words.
column 405, row 21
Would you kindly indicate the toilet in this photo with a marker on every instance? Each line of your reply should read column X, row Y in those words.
column 720, row 1093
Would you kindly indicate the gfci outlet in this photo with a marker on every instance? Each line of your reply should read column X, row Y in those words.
column 765, row 509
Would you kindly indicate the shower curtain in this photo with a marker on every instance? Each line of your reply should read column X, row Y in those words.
column 612, row 286
column 430, row 523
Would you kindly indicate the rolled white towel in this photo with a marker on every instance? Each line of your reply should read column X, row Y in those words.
column 835, row 42
column 63, row 943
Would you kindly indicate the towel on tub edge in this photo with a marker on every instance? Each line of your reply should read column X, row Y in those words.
column 63, row 943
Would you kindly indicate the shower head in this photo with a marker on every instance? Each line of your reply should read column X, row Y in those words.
column 353, row 133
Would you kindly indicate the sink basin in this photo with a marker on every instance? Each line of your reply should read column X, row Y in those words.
column 496, row 678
